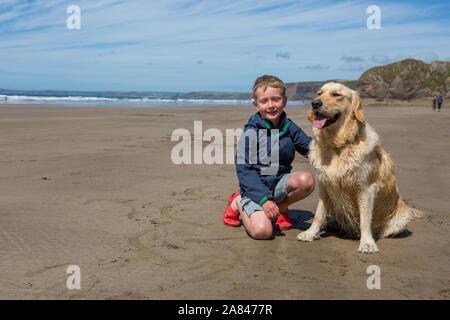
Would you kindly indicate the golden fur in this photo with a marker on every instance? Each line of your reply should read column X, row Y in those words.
column 355, row 175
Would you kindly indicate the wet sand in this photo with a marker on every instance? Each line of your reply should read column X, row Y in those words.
column 95, row 187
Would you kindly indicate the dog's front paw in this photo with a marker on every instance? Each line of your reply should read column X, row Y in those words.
column 307, row 236
column 368, row 246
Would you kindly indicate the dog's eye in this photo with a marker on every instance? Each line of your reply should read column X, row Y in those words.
column 319, row 93
column 336, row 94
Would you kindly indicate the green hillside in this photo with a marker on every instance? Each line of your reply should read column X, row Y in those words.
column 407, row 79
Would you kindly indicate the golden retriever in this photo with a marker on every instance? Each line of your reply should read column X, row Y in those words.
column 355, row 175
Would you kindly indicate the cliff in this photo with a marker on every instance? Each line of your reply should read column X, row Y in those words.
column 405, row 80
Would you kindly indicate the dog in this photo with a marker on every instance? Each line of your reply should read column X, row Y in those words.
column 355, row 175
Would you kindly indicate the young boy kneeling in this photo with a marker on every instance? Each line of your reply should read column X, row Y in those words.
column 265, row 196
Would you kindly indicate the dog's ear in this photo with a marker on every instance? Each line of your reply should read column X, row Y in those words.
column 357, row 107
column 311, row 116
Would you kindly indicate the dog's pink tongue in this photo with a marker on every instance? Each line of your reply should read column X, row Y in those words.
column 319, row 122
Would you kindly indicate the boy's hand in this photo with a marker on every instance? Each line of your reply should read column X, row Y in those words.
column 271, row 209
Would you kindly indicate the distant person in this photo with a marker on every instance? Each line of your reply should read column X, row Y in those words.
column 6, row 99
column 434, row 103
column 439, row 101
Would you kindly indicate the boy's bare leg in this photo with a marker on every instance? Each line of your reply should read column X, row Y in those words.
column 299, row 186
column 257, row 225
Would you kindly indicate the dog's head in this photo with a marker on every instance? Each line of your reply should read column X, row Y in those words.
column 333, row 105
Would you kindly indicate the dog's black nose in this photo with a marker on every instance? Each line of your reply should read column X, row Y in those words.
column 316, row 103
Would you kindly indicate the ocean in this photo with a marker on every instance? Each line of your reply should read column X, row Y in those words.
column 72, row 100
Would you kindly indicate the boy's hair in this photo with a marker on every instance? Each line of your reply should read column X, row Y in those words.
column 268, row 81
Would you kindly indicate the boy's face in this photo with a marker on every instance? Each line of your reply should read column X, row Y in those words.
column 270, row 103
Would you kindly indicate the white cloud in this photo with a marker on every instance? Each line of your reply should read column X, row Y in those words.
column 239, row 40
column 380, row 59
column 283, row 55
column 317, row 67
column 350, row 67
column 352, row 59
column 427, row 57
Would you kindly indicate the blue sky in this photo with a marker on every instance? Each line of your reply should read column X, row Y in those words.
column 215, row 45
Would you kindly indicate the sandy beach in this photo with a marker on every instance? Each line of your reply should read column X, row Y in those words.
column 95, row 187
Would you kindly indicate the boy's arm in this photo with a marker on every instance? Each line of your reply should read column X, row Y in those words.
column 301, row 139
column 250, row 182
column 249, row 176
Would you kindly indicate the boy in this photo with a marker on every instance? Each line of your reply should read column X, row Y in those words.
column 264, row 197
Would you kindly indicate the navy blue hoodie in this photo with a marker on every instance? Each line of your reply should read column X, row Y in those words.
column 255, row 185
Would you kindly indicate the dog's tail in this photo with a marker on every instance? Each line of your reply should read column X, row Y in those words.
column 400, row 220
column 415, row 214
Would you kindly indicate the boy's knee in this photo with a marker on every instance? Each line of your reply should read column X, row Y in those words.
column 262, row 232
column 305, row 182
column 308, row 182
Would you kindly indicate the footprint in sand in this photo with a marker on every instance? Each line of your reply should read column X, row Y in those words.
column 122, row 202
column 186, row 244
column 13, row 241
